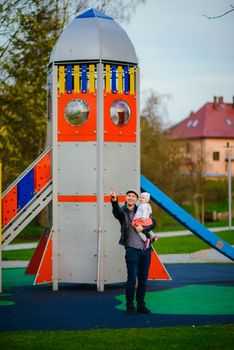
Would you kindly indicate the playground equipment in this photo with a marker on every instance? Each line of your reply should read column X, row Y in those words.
column 93, row 144
column 93, row 139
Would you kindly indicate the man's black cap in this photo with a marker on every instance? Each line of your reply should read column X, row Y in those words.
column 132, row 191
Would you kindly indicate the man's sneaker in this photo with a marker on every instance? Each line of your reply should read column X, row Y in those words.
column 143, row 310
column 131, row 309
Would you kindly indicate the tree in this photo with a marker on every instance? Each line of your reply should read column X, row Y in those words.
column 222, row 15
column 160, row 157
column 24, row 59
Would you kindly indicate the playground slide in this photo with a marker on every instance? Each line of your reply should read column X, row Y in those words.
column 173, row 209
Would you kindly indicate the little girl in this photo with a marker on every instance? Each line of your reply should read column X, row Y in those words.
column 142, row 217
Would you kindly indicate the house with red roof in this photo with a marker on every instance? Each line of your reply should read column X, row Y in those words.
column 207, row 138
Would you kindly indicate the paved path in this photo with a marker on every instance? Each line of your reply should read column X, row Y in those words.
column 187, row 232
column 21, row 246
column 14, row 263
column 202, row 256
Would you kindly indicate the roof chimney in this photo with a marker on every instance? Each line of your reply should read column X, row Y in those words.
column 232, row 101
column 215, row 103
column 220, row 99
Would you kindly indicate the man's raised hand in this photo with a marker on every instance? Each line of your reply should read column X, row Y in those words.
column 113, row 195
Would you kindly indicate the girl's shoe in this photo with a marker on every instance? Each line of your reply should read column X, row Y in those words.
column 154, row 238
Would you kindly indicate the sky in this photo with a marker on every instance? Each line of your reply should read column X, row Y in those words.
column 184, row 54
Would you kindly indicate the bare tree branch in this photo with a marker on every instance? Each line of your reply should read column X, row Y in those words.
column 224, row 14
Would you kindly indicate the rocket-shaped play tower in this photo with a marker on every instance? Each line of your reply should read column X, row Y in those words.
column 93, row 119
column 93, row 145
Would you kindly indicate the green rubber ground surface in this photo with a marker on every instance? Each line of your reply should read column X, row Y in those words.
column 16, row 277
column 189, row 300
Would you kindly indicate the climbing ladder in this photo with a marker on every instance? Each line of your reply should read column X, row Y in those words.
column 23, row 200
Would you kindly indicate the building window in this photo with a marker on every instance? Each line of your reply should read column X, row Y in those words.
column 228, row 122
column 215, row 155
column 190, row 122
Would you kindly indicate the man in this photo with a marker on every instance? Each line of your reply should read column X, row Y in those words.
column 137, row 257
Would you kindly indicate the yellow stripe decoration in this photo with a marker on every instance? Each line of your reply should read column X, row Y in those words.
column 132, row 80
column 91, row 78
column 108, row 74
column 61, row 79
column 76, row 79
column 120, row 79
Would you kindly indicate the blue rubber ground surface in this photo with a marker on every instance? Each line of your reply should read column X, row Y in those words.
column 76, row 307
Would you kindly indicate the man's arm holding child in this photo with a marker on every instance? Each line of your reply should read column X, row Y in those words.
column 151, row 227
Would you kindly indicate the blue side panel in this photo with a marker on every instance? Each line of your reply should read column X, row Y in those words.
column 84, row 78
column 113, row 79
column 25, row 188
column 173, row 209
column 69, row 79
column 126, row 80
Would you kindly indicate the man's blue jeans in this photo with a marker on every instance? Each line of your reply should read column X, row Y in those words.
column 138, row 263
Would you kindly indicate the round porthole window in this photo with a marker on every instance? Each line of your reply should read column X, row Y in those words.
column 120, row 113
column 76, row 112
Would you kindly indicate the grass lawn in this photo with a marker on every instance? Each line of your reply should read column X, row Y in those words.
column 21, row 254
column 30, row 233
column 33, row 232
column 201, row 337
column 188, row 243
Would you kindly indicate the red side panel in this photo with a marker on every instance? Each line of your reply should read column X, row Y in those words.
column 157, row 269
column 85, row 132
column 126, row 133
column 9, row 206
column 37, row 256
column 42, row 172
column 44, row 273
